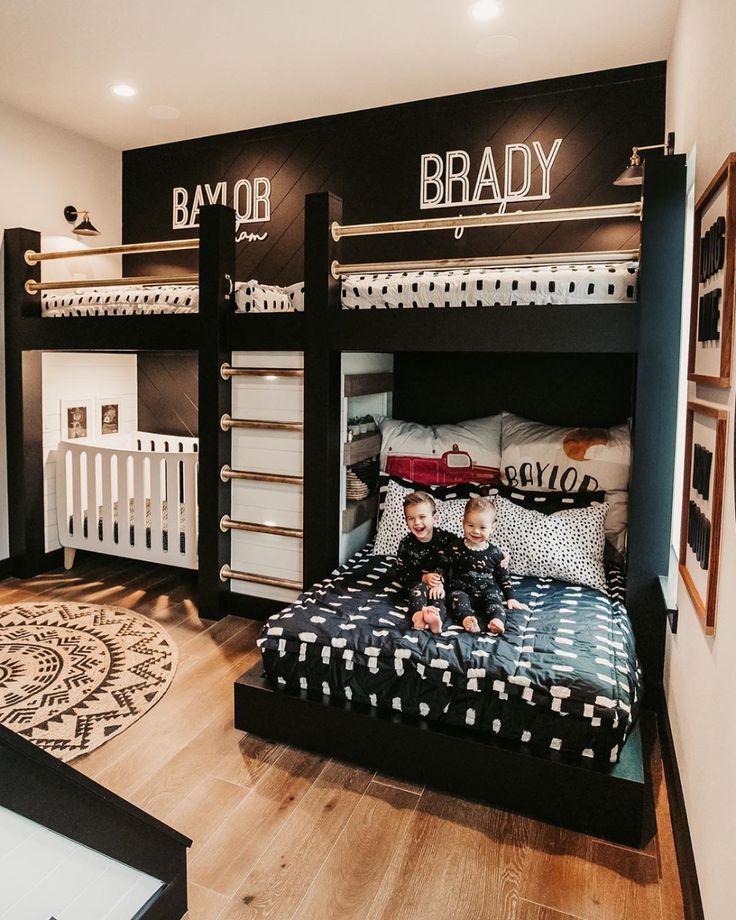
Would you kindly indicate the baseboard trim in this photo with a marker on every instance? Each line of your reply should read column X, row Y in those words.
column 689, row 884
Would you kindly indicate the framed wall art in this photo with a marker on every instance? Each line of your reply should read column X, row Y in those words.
column 712, row 304
column 702, row 507
column 108, row 416
column 77, row 420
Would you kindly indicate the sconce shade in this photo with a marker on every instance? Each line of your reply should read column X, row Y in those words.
column 85, row 227
column 632, row 175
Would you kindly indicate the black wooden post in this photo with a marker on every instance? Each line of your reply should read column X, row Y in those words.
column 655, row 421
column 24, row 418
column 216, row 299
column 322, row 454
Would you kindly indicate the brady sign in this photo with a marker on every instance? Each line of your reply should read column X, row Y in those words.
column 453, row 180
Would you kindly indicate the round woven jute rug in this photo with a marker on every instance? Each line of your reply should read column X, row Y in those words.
column 74, row 675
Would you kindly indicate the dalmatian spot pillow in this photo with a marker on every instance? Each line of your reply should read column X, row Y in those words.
column 392, row 527
column 567, row 545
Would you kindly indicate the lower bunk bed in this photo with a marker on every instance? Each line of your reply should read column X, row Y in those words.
column 542, row 720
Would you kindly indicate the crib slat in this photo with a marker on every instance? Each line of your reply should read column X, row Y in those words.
column 191, row 515
column 77, row 514
column 156, row 507
column 121, row 458
column 90, row 468
column 139, row 500
column 107, row 511
column 172, row 504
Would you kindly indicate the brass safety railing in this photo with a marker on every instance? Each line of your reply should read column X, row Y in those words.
column 552, row 215
column 32, row 257
column 33, row 287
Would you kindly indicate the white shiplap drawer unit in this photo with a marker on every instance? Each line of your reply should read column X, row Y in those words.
column 265, row 474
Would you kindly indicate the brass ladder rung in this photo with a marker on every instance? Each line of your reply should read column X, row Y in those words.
column 226, row 423
column 227, row 523
column 227, row 371
column 226, row 474
column 227, row 573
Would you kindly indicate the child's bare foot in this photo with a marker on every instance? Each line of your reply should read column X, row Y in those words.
column 432, row 619
column 470, row 624
column 417, row 620
column 496, row 627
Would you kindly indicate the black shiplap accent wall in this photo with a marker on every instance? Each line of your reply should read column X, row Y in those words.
column 167, row 393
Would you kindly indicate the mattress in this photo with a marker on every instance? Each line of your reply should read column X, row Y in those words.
column 563, row 677
column 181, row 524
column 250, row 297
column 491, row 287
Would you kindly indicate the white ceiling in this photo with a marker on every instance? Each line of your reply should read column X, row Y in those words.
column 227, row 65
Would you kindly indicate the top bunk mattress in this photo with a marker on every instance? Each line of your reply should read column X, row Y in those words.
column 498, row 287
column 564, row 676
column 491, row 287
column 250, row 297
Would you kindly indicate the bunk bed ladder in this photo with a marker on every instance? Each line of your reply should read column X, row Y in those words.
column 261, row 375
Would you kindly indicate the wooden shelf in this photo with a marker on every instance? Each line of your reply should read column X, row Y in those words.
column 367, row 384
column 361, row 448
column 358, row 512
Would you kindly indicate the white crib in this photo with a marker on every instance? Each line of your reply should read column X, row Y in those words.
column 154, row 476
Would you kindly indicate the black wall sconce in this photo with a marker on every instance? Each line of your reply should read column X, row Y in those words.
column 634, row 172
column 85, row 227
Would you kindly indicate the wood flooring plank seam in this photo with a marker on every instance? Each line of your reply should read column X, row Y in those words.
column 554, row 910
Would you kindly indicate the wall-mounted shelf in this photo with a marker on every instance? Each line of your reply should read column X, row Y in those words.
column 361, row 448
column 358, row 512
column 367, row 384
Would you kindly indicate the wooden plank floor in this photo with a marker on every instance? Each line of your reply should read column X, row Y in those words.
column 286, row 835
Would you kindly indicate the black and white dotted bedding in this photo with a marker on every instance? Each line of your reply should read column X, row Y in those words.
column 486, row 287
column 563, row 677
column 250, row 297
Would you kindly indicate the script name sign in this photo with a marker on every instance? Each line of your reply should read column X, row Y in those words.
column 250, row 198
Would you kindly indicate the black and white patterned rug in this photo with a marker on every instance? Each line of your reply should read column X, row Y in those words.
column 74, row 675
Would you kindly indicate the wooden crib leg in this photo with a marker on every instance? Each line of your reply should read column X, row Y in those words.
column 69, row 555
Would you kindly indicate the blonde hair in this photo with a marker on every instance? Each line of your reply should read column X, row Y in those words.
column 419, row 498
column 480, row 503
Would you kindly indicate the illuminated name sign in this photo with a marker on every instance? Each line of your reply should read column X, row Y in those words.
column 453, row 180
column 251, row 200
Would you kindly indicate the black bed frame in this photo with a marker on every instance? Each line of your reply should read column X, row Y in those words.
column 644, row 337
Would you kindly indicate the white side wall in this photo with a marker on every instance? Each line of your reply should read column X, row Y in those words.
column 85, row 379
column 701, row 109
column 43, row 169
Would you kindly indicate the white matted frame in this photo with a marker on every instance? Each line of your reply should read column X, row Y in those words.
column 713, row 289
column 702, row 507
column 77, row 419
column 107, row 414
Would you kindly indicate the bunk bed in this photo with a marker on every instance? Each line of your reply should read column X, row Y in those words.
column 641, row 334
column 338, row 678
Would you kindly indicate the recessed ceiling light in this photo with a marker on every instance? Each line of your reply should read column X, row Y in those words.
column 497, row 45
column 483, row 10
column 122, row 89
column 164, row 112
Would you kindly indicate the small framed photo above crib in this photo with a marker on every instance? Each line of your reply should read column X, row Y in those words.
column 77, row 420
column 702, row 508
column 108, row 416
column 714, row 263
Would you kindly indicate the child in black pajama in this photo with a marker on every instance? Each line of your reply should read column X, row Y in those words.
column 418, row 560
column 480, row 587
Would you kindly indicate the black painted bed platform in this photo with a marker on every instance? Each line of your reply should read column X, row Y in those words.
column 610, row 802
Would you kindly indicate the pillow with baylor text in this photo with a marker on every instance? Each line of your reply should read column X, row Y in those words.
column 392, row 526
column 552, row 458
column 566, row 545
column 468, row 451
